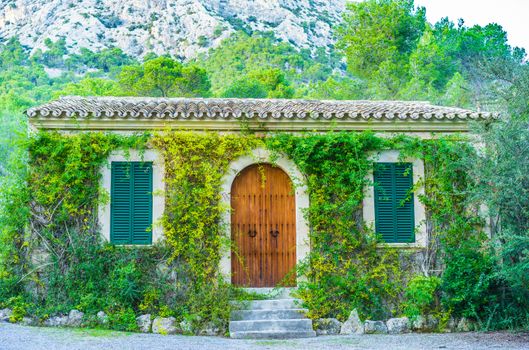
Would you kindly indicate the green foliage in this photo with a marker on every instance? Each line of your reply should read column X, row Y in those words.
column 165, row 77
column 420, row 296
column 378, row 37
column 467, row 279
column 124, row 319
column 195, row 165
column 267, row 83
column 344, row 269
column 90, row 87
column 242, row 54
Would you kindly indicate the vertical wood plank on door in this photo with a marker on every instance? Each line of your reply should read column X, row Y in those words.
column 263, row 205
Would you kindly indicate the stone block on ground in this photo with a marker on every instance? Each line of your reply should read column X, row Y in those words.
column 56, row 321
column 465, row 325
column 375, row 327
column 327, row 326
column 29, row 321
column 102, row 317
column 144, row 323
column 5, row 314
column 398, row 325
column 75, row 318
column 210, row 330
column 425, row 324
column 164, row 325
column 353, row 325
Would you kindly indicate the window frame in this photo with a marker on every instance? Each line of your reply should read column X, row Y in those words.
column 158, row 187
column 394, row 206
column 132, row 214
column 393, row 156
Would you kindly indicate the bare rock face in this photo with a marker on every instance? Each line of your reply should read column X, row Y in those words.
column 144, row 323
column 327, row 326
column 375, row 327
column 164, row 325
column 353, row 325
column 398, row 325
column 182, row 28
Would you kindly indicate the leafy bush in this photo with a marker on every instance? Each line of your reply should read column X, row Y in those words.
column 420, row 296
column 467, row 280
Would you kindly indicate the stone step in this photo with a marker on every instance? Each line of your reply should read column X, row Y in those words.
column 272, row 335
column 271, row 304
column 272, row 326
column 247, row 315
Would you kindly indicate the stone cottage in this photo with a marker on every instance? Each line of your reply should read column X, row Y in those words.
column 267, row 221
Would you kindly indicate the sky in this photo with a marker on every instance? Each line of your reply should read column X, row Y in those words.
column 512, row 15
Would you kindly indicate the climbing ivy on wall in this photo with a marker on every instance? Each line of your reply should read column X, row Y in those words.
column 345, row 269
column 180, row 276
column 195, row 165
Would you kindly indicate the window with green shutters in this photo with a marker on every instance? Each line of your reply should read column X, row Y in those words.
column 131, row 203
column 394, row 212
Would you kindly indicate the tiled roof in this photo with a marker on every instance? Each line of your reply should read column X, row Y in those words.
column 235, row 109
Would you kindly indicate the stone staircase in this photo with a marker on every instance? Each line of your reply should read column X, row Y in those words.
column 270, row 319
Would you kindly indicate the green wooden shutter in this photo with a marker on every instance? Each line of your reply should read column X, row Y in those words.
column 131, row 203
column 142, row 203
column 394, row 211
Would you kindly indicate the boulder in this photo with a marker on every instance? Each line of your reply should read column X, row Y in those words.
column 327, row 326
column 102, row 317
column 56, row 321
column 425, row 324
column 164, row 325
column 186, row 326
column 398, row 325
column 451, row 326
column 353, row 325
column 29, row 321
column 5, row 314
column 465, row 325
column 144, row 323
column 210, row 330
column 75, row 318
column 375, row 327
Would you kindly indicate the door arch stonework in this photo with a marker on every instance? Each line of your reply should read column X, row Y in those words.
column 301, row 203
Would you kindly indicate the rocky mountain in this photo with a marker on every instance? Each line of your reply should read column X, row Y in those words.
column 182, row 28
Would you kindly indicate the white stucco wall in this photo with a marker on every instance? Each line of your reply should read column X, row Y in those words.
column 158, row 200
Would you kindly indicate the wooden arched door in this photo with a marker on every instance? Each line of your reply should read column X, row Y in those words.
column 263, row 228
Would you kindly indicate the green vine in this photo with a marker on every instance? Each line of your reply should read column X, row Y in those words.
column 346, row 268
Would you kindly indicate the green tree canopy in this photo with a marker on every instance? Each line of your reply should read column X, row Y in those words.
column 164, row 77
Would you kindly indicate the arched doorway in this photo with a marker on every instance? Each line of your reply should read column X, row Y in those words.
column 263, row 228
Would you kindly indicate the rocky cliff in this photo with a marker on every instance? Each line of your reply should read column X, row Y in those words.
column 179, row 27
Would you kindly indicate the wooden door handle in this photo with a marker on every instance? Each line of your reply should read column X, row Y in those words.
column 274, row 233
column 252, row 233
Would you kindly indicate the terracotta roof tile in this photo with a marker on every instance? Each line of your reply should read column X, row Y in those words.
column 228, row 108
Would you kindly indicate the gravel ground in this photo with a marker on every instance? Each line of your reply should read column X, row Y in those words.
column 32, row 338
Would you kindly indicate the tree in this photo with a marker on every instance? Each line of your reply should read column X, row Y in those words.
column 377, row 38
column 264, row 83
column 90, row 87
column 164, row 77
column 245, row 88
